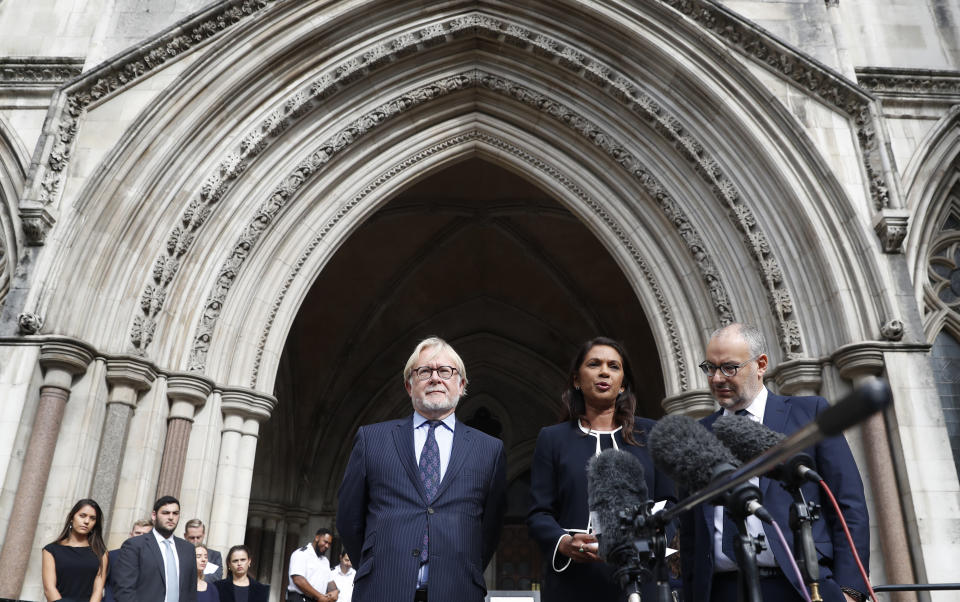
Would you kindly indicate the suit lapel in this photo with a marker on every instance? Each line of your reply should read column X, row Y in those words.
column 462, row 436
column 155, row 551
column 403, row 440
column 774, row 418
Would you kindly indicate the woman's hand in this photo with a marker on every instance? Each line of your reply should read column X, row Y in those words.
column 581, row 547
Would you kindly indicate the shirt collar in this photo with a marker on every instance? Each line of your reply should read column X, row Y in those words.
column 161, row 538
column 450, row 421
column 755, row 408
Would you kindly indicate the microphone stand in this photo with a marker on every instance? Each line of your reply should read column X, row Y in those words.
column 740, row 502
column 802, row 516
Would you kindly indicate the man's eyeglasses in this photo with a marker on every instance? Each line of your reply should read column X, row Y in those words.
column 728, row 370
column 424, row 372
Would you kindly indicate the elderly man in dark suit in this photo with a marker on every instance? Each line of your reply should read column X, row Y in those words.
column 735, row 365
column 156, row 566
column 423, row 497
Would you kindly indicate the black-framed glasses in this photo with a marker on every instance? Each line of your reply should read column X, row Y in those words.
column 728, row 370
column 424, row 372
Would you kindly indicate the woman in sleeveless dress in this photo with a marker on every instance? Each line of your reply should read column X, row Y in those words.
column 74, row 566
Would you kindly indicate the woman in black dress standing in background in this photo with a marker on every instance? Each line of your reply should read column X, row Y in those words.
column 239, row 586
column 600, row 410
column 74, row 566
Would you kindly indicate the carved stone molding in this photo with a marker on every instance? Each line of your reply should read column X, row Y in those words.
column 187, row 392
column 859, row 359
column 36, row 223
column 247, row 404
column 892, row 330
column 665, row 311
column 695, row 404
column 61, row 361
column 805, row 72
column 39, row 71
column 801, row 376
column 127, row 376
column 910, row 83
column 891, row 227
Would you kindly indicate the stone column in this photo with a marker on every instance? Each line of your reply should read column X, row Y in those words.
column 799, row 377
column 857, row 363
column 277, row 574
column 295, row 520
column 187, row 393
column 267, row 546
column 243, row 411
column 253, row 539
column 127, row 378
column 695, row 404
column 60, row 361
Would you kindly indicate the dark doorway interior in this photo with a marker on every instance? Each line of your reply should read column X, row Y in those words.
column 483, row 258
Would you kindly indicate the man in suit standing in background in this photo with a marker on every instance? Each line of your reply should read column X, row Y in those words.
column 157, row 566
column 735, row 364
column 139, row 528
column 195, row 532
column 423, row 497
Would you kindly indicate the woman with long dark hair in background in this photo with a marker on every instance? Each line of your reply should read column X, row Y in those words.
column 239, row 586
column 600, row 409
column 74, row 566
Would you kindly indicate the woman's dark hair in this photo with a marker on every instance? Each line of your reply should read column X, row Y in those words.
column 626, row 405
column 233, row 550
column 95, row 538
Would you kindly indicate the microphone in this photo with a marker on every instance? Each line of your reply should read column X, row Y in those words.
column 748, row 438
column 615, row 485
column 693, row 457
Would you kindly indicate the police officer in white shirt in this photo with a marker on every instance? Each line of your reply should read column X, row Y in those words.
column 343, row 577
column 310, row 575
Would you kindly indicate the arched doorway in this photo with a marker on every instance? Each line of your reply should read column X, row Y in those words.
column 478, row 255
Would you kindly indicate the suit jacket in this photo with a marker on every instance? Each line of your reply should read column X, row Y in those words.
column 112, row 556
column 558, row 492
column 258, row 592
column 214, row 557
column 383, row 511
column 140, row 575
column 836, row 465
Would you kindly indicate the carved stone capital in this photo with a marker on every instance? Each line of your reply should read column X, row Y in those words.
column 891, row 227
column 247, row 403
column 36, row 222
column 187, row 393
column 296, row 517
column 691, row 403
column 802, row 376
column 61, row 361
column 859, row 360
column 127, row 376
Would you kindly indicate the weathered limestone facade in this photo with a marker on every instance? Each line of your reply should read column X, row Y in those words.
column 183, row 187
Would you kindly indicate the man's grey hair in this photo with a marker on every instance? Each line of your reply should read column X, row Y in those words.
column 193, row 523
column 750, row 333
column 438, row 346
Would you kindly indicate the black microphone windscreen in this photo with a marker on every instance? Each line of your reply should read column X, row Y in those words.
column 685, row 450
column 615, row 483
column 746, row 438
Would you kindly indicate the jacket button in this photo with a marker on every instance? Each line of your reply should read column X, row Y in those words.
column 429, row 510
column 416, row 552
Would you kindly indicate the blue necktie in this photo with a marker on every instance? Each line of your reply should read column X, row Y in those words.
column 429, row 475
column 170, row 564
column 729, row 528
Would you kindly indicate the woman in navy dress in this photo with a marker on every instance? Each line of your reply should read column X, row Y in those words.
column 206, row 592
column 600, row 406
column 239, row 586
column 74, row 566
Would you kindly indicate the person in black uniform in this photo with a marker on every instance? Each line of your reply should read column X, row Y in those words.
column 74, row 566
column 600, row 406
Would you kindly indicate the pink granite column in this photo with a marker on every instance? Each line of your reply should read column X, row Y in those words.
column 187, row 393
column 857, row 363
column 61, row 361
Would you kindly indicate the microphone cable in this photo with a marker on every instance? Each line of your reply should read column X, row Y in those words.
column 846, row 531
column 793, row 562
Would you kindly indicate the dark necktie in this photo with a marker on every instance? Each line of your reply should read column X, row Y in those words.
column 729, row 528
column 429, row 475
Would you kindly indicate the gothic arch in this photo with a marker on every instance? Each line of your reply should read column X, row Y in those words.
column 668, row 132
column 13, row 161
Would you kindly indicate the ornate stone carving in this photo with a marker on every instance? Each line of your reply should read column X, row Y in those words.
column 36, row 223
column 892, row 330
column 247, row 404
column 591, row 68
column 34, row 71
column 665, row 312
column 891, row 227
column 888, row 81
column 29, row 323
